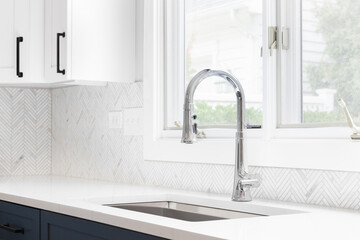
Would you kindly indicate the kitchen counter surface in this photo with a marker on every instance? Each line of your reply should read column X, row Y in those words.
column 85, row 198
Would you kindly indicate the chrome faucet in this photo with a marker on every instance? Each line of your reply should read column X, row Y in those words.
column 243, row 181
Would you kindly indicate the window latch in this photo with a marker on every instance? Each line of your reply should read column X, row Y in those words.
column 285, row 38
column 272, row 38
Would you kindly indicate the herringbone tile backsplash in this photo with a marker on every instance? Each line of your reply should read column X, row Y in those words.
column 83, row 146
column 25, row 137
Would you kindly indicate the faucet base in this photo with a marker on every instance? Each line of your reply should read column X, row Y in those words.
column 243, row 186
column 241, row 196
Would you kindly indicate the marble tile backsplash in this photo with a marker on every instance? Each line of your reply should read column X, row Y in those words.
column 84, row 146
column 25, row 131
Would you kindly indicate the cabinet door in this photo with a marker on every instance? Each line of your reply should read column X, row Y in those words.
column 101, row 40
column 17, row 218
column 55, row 40
column 59, row 227
column 14, row 21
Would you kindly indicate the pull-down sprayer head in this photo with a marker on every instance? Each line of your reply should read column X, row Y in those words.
column 190, row 127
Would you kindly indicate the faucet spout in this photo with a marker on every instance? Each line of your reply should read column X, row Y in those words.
column 243, row 181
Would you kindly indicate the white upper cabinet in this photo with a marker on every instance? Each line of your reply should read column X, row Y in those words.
column 90, row 40
column 55, row 44
column 47, row 43
column 21, row 50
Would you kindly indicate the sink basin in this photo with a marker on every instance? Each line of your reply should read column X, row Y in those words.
column 183, row 211
column 190, row 208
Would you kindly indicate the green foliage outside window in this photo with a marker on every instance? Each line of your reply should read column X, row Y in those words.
column 223, row 114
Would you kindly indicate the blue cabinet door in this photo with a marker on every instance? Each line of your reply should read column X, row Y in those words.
column 19, row 222
column 60, row 227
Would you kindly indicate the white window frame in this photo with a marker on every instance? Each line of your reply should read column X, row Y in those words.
column 315, row 148
column 289, row 83
column 174, row 63
column 290, row 72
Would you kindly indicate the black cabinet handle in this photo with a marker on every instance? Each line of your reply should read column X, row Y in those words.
column 18, row 72
column 12, row 229
column 58, row 53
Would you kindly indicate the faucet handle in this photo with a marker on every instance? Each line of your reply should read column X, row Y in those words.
column 195, row 126
column 251, row 180
column 242, row 188
column 250, row 183
column 195, row 129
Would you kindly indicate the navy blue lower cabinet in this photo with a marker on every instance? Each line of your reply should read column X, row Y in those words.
column 60, row 227
column 19, row 222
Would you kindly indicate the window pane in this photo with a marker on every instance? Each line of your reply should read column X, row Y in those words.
column 331, row 59
column 224, row 35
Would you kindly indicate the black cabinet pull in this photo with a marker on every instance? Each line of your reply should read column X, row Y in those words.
column 12, row 229
column 58, row 53
column 18, row 72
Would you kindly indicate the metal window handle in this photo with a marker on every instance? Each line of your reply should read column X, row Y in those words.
column 59, row 35
column 7, row 227
column 351, row 123
column 272, row 39
column 272, row 47
column 18, row 41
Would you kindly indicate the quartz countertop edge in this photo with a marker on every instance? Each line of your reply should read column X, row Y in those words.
column 85, row 198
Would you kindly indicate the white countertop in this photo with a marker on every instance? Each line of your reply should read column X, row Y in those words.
column 84, row 199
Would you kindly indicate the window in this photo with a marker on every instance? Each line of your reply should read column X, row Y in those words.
column 223, row 35
column 326, row 52
column 317, row 66
column 294, row 102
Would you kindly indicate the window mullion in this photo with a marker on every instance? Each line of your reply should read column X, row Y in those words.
column 174, row 60
column 269, row 71
column 290, row 64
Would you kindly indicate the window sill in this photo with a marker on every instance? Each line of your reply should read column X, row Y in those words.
column 326, row 154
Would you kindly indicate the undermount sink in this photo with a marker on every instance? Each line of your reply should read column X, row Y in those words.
column 183, row 211
column 191, row 208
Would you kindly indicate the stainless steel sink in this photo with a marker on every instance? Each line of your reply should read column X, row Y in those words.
column 182, row 211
